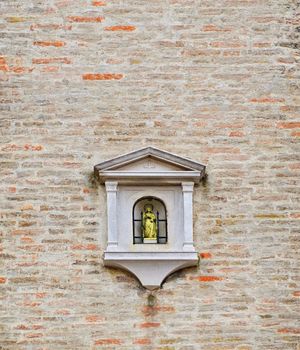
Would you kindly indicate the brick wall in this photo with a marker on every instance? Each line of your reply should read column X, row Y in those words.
column 215, row 80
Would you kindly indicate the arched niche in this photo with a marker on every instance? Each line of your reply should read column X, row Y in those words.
column 159, row 211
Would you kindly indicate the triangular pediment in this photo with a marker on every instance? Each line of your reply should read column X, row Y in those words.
column 149, row 163
column 155, row 154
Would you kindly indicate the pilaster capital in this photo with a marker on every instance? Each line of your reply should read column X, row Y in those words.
column 187, row 186
column 111, row 186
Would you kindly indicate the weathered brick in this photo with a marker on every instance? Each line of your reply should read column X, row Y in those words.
column 236, row 134
column 215, row 81
column 150, row 310
column 267, row 100
column 29, row 147
column 108, row 341
column 206, row 278
column 80, row 19
column 49, row 43
column 34, row 335
column 295, row 133
column 15, row 19
column 289, row 330
column 27, row 207
column 142, row 341
column 89, row 246
column 94, row 318
column 120, row 28
column 98, row 3
column 50, row 27
column 149, row 325
column 206, row 255
column 102, row 76
column 214, row 28
column 49, row 60
column 288, row 125
column 50, row 69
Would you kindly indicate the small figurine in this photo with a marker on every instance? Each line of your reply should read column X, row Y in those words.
column 149, row 227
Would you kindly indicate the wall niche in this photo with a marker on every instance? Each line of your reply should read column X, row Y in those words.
column 150, row 213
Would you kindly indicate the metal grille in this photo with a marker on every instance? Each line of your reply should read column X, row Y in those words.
column 162, row 224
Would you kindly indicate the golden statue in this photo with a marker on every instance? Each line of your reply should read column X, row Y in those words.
column 149, row 223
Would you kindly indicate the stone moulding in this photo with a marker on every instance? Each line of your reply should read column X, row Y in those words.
column 150, row 173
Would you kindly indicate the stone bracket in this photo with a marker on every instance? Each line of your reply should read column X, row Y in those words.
column 151, row 269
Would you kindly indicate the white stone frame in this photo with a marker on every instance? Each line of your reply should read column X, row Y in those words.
column 170, row 178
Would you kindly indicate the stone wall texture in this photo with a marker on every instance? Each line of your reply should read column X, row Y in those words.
column 214, row 80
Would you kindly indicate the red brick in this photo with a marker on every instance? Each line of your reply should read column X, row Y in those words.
column 3, row 64
column 50, row 69
column 4, row 68
column 19, row 70
column 29, row 147
column 49, row 43
column 102, row 76
column 94, row 318
column 296, row 294
column 205, row 255
column 206, row 278
column 289, row 330
column 149, row 325
column 120, row 28
column 2, row 279
column 108, row 341
column 27, row 240
column 40, row 295
column 236, row 134
column 98, row 3
column 295, row 133
column 79, row 19
column 288, row 125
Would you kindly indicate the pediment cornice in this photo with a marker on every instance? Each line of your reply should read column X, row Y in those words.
column 167, row 167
